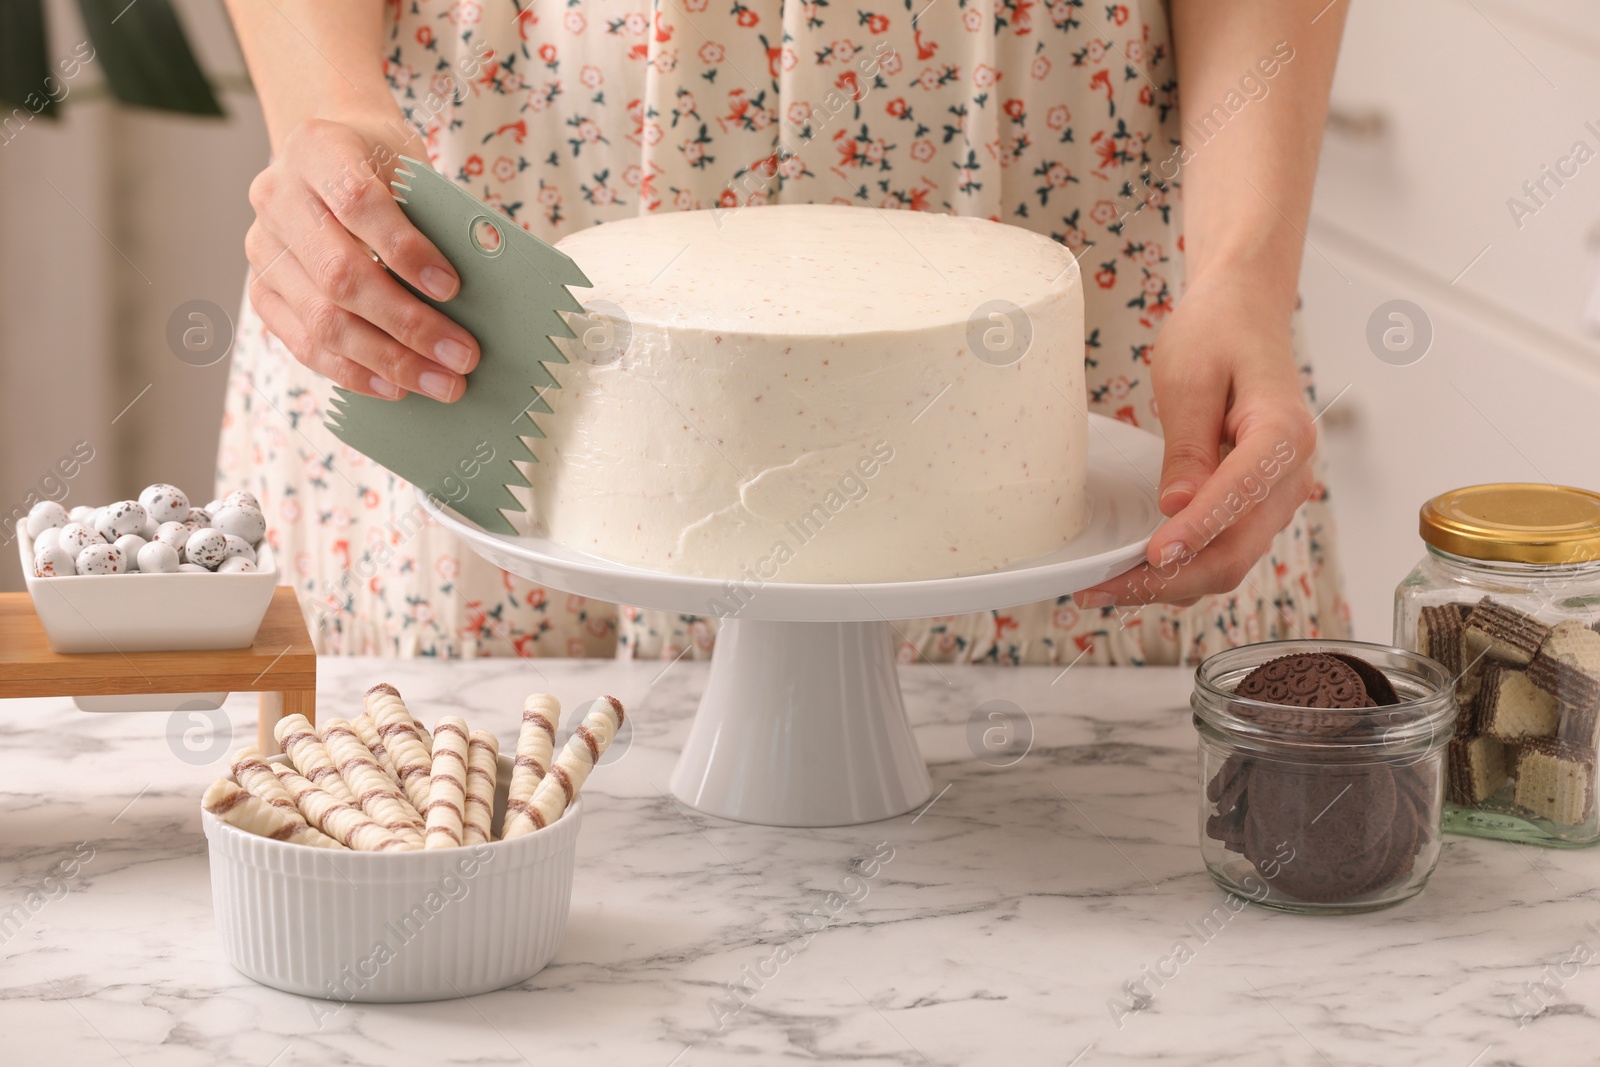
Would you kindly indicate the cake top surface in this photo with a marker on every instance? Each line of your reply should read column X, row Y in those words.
column 808, row 269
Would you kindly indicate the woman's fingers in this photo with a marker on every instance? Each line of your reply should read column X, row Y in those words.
column 1219, row 568
column 280, row 319
column 344, row 274
column 1257, row 478
column 325, row 332
column 1191, row 432
column 328, row 203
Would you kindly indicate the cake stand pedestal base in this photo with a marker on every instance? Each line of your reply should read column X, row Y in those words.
column 802, row 724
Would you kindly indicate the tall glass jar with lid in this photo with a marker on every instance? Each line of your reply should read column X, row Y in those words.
column 1508, row 600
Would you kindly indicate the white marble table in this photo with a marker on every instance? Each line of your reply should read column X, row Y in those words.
column 1002, row 931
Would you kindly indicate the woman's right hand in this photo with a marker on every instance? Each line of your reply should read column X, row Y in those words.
column 321, row 204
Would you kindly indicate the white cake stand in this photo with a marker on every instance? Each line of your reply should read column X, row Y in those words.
column 802, row 723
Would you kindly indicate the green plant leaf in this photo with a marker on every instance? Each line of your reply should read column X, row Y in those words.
column 24, row 58
column 147, row 61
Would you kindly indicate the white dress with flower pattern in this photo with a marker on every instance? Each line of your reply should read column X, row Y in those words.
column 1058, row 116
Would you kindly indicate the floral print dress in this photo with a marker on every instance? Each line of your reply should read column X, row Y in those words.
column 1056, row 115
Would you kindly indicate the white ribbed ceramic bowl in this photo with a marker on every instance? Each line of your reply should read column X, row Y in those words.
column 380, row 927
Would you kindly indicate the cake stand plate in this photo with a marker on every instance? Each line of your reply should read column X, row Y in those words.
column 802, row 722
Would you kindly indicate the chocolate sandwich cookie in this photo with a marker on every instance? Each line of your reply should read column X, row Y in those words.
column 1374, row 681
column 1307, row 691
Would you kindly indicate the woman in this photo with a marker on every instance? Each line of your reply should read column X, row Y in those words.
column 1061, row 117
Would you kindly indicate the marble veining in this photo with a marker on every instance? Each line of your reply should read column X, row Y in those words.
column 1049, row 912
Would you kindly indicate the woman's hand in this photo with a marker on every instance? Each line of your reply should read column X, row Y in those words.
column 321, row 205
column 1238, row 446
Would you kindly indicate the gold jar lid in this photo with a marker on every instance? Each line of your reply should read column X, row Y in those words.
column 1515, row 522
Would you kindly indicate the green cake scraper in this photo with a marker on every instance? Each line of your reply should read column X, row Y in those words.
column 513, row 288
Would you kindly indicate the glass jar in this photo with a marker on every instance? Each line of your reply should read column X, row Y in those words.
column 1336, row 812
column 1508, row 599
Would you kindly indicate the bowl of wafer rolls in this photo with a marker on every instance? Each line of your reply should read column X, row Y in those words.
column 377, row 860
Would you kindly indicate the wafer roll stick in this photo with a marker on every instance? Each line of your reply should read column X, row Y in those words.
column 253, row 772
column 422, row 734
column 362, row 724
column 536, row 742
column 583, row 750
column 412, row 763
column 346, row 823
column 483, row 762
column 376, row 793
column 299, row 740
column 237, row 807
column 447, row 784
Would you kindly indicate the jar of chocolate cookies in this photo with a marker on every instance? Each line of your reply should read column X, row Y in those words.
column 1508, row 600
column 1321, row 771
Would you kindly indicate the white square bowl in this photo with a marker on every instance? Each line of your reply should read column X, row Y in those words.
column 393, row 927
column 184, row 612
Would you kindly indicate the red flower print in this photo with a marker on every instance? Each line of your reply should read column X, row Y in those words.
column 695, row 5
column 985, row 76
column 547, row 52
column 1058, row 117
column 504, row 169
column 536, row 597
column 877, row 23
column 925, row 49
column 1057, row 175
column 799, row 113
column 574, row 22
column 1101, row 80
column 843, row 50
column 849, row 85
column 473, row 166
column 1125, row 414
column 636, row 23
column 1013, row 108
column 972, row 19
column 897, row 107
column 425, row 33
column 711, row 53
column 1135, row 52
column 1106, row 277
column 1040, row 68
column 1103, row 212
column 1151, row 254
column 465, row 12
column 1154, row 283
column 890, row 64
column 591, row 76
column 1145, row 95
column 1096, row 51
column 1119, row 15
column 549, row 195
column 922, row 151
column 526, row 21
column 747, row 18
column 1118, row 387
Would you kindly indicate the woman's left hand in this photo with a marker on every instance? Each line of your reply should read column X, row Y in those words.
column 1238, row 451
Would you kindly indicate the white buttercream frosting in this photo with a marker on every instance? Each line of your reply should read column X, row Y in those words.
column 795, row 393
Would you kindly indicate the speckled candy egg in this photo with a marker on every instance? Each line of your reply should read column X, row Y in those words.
column 241, row 498
column 129, row 545
column 75, row 537
column 46, row 515
column 174, row 535
column 214, row 507
column 123, row 517
column 241, row 521
column 82, row 513
column 206, row 547
column 49, row 537
column 150, row 528
column 53, row 563
column 157, row 557
column 236, row 565
column 238, row 547
column 100, row 559
column 197, row 519
column 191, row 568
column 165, row 503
